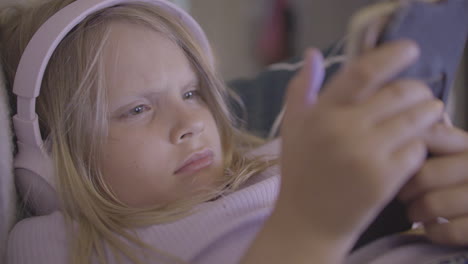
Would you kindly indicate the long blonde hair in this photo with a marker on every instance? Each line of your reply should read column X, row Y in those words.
column 72, row 112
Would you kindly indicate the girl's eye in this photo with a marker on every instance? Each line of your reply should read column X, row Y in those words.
column 191, row 94
column 137, row 110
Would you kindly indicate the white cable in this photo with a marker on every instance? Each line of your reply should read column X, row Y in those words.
column 285, row 66
column 279, row 118
column 327, row 63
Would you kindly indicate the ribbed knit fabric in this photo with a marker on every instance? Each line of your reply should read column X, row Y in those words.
column 219, row 232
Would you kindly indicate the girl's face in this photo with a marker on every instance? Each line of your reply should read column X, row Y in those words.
column 163, row 141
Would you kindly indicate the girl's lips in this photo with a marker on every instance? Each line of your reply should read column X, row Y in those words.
column 196, row 162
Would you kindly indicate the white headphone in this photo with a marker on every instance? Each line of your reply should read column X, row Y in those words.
column 33, row 164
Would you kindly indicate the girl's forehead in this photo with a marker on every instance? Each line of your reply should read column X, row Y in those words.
column 138, row 57
column 127, row 37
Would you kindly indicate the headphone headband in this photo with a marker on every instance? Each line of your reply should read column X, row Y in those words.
column 39, row 50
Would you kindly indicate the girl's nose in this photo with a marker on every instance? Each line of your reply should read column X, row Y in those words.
column 188, row 125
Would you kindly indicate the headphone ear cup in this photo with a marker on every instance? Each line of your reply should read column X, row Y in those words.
column 34, row 178
column 36, row 193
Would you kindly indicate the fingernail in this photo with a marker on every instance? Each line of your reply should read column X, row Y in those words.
column 441, row 220
column 412, row 48
column 316, row 74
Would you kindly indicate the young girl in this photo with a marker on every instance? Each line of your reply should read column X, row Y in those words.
column 151, row 167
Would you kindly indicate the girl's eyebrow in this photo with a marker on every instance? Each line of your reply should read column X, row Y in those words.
column 127, row 100
column 191, row 83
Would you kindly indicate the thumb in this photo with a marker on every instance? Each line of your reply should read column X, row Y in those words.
column 304, row 87
column 444, row 139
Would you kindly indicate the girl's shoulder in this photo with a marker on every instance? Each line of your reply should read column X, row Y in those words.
column 40, row 239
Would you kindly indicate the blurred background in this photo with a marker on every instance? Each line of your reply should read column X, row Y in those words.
column 248, row 35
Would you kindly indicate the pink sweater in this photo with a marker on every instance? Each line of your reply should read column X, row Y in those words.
column 219, row 232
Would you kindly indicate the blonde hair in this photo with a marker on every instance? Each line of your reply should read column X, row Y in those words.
column 72, row 112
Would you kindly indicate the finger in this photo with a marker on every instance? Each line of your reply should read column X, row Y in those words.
column 362, row 76
column 411, row 123
column 304, row 87
column 436, row 173
column 394, row 98
column 447, row 203
column 442, row 139
column 409, row 158
column 453, row 233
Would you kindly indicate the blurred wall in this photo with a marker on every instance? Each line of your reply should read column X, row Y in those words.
column 321, row 22
column 230, row 25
